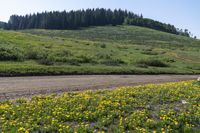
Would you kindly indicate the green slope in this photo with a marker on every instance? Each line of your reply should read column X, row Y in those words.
column 97, row 50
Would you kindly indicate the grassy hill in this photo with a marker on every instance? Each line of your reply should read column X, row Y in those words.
column 97, row 50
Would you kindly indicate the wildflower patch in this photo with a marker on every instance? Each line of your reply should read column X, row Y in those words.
column 167, row 107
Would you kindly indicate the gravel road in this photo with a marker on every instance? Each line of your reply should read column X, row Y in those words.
column 12, row 87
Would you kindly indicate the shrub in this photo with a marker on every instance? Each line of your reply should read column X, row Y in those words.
column 73, row 61
column 113, row 62
column 150, row 53
column 103, row 55
column 44, row 58
column 170, row 60
column 142, row 65
column 41, row 55
column 147, row 49
column 103, row 45
column 45, row 61
column 122, row 47
column 152, row 62
column 36, row 53
column 64, row 53
column 11, row 53
column 86, row 59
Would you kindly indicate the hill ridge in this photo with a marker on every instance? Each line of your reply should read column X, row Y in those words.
column 89, row 17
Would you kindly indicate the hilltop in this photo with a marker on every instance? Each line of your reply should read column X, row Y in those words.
column 76, row 19
column 97, row 50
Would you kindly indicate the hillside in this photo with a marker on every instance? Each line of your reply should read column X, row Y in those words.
column 97, row 50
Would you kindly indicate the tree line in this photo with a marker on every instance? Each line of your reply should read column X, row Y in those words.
column 2, row 24
column 145, row 22
column 85, row 18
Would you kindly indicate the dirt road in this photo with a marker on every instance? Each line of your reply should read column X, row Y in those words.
column 11, row 87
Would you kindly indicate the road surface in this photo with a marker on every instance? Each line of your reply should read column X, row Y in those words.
column 12, row 87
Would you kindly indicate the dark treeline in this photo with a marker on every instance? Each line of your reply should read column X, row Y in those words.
column 145, row 22
column 85, row 18
column 2, row 24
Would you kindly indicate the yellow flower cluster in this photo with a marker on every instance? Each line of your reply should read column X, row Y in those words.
column 149, row 108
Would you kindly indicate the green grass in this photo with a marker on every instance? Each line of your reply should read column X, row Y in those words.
column 97, row 50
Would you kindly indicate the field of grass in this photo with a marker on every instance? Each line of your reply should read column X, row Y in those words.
column 97, row 50
column 171, row 107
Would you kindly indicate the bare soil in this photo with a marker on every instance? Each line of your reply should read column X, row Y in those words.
column 13, row 87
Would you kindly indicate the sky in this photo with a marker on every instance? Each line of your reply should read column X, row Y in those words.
column 183, row 14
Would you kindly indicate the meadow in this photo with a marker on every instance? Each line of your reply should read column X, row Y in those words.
column 97, row 50
column 169, row 107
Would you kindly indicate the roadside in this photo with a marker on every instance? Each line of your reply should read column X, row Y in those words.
column 12, row 87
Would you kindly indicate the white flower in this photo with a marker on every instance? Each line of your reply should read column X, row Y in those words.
column 198, row 79
column 184, row 102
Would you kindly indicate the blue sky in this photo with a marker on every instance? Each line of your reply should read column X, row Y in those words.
column 181, row 13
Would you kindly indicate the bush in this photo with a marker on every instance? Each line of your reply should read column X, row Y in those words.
column 103, row 45
column 64, row 53
column 122, row 47
column 41, row 55
column 11, row 53
column 147, row 49
column 103, row 55
column 170, row 60
column 152, row 62
column 36, row 53
column 150, row 53
column 73, row 61
column 45, row 61
column 86, row 59
column 113, row 62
